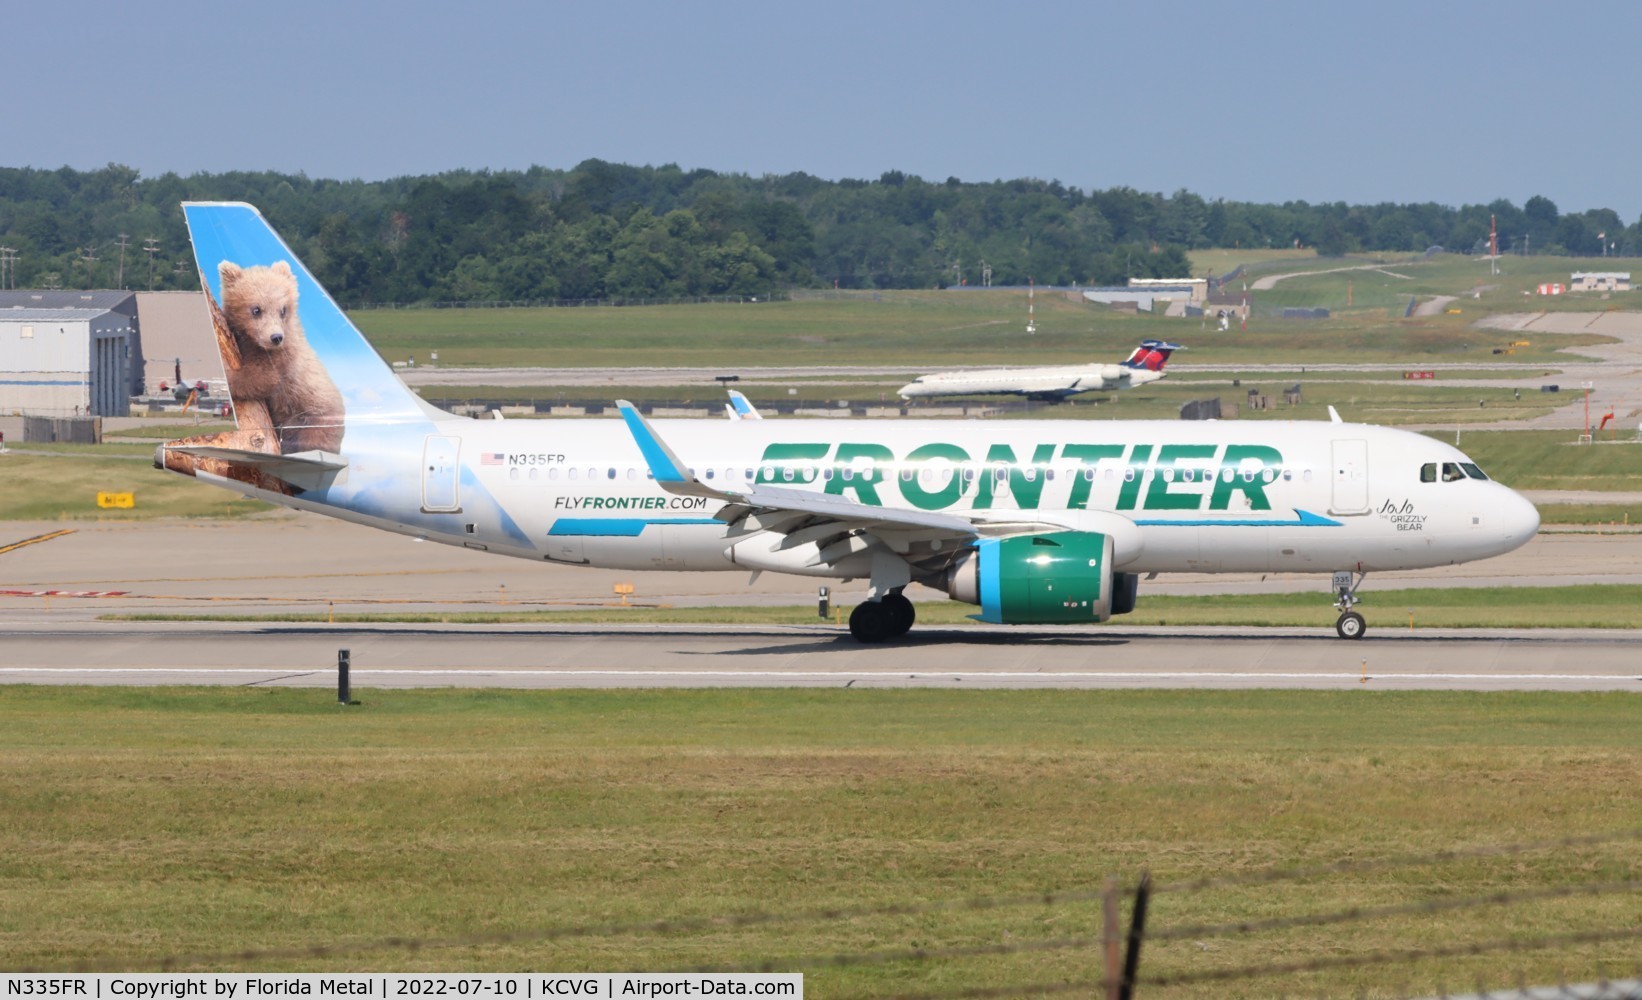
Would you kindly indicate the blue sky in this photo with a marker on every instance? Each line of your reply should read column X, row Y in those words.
column 1452, row 102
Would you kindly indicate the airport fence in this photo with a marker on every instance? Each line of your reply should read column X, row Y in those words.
column 1117, row 952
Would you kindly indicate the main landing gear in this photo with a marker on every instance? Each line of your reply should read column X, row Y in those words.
column 1350, row 624
column 888, row 618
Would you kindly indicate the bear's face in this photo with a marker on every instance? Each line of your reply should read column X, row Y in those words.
column 260, row 304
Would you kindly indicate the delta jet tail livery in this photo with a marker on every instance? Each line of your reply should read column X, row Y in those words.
column 1050, row 383
column 1034, row 522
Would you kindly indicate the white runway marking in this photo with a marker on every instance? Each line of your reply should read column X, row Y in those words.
column 1172, row 675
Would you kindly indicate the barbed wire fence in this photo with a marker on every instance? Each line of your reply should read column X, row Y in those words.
column 1117, row 950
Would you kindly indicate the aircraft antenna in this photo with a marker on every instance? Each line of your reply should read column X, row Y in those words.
column 1031, row 287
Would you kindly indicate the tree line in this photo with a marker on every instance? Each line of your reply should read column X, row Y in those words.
column 604, row 230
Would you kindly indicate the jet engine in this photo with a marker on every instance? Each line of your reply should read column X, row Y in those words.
column 1060, row 577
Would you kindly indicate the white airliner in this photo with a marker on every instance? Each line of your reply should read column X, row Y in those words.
column 1048, row 383
column 1036, row 522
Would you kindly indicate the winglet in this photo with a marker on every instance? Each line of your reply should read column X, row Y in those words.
column 1334, row 415
column 739, row 408
column 670, row 473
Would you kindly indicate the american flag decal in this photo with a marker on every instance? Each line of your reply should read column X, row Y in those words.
column 490, row 458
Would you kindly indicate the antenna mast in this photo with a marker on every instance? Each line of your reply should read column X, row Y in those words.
column 1031, row 286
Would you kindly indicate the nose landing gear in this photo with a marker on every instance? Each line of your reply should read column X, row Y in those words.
column 1350, row 624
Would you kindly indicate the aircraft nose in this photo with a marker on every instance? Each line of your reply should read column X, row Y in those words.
column 1517, row 518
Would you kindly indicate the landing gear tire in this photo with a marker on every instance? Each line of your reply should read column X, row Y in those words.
column 902, row 613
column 1350, row 626
column 873, row 621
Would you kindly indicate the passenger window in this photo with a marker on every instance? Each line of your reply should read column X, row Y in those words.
column 1129, row 474
column 1089, row 473
column 787, row 473
column 709, row 473
column 906, row 475
column 1428, row 472
column 1288, row 475
column 612, row 473
column 1306, row 475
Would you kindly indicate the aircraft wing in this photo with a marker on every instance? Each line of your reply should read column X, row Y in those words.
column 783, row 509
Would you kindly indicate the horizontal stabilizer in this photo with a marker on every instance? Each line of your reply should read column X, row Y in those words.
column 303, row 469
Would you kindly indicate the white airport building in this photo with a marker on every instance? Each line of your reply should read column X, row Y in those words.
column 63, row 360
column 1600, row 281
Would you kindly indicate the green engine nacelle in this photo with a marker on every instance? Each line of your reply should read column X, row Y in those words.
column 1059, row 578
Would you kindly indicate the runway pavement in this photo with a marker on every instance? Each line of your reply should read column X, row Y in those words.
column 611, row 656
column 291, row 561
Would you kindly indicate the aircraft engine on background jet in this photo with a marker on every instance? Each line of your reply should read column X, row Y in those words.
column 1062, row 577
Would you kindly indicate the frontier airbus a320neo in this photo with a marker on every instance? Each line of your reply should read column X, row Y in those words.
column 1036, row 522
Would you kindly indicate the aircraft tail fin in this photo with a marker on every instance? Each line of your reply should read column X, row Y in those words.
column 741, row 408
column 299, row 373
column 1152, row 355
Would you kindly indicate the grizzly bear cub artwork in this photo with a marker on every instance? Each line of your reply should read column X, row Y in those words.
column 284, row 400
column 277, row 369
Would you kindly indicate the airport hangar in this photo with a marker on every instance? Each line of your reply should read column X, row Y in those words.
column 87, row 353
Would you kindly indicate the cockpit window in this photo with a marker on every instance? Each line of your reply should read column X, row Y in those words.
column 1451, row 472
column 1472, row 471
column 1428, row 472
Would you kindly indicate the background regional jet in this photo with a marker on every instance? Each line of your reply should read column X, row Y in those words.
column 1036, row 522
column 1049, row 383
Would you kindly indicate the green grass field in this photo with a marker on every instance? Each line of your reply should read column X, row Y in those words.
column 1480, row 292
column 144, row 824
column 64, row 486
column 915, row 329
